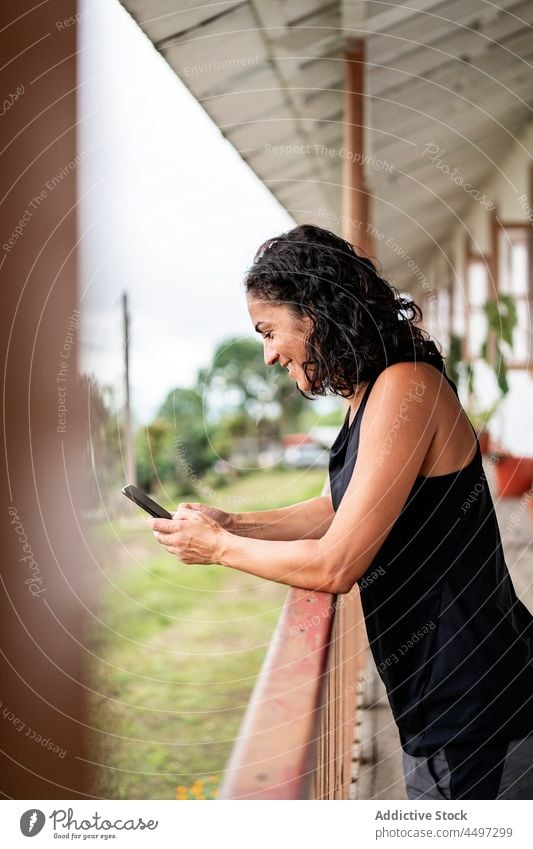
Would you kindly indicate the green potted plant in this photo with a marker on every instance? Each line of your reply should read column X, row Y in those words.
column 501, row 322
column 454, row 358
column 460, row 371
column 513, row 474
column 480, row 418
column 478, row 415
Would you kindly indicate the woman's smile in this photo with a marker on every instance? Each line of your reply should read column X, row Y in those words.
column 284, row 336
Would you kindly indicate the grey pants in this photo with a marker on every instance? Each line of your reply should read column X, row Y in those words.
column 501, row 771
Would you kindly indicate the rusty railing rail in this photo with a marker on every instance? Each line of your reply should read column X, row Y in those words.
column 298, row 739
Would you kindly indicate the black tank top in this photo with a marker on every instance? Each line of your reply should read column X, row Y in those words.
column 451, row 641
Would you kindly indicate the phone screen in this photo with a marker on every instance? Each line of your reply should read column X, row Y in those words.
column 145, row 502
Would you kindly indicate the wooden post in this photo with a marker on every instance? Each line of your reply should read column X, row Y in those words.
column 45, row 564
column 356, row 201
column 351, row 644
column 494, row 268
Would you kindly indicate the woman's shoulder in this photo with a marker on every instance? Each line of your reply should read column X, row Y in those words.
column 413, row 392
column 404, row 391
column 420, row 376
column 437, row 407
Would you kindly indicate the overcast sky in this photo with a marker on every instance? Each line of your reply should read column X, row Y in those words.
column 169, row 212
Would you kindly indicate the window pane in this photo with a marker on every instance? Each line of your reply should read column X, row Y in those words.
column 478, row 331
column 477, row 283
column 459, row 309
column 522, row 333
column 513, row 261
column 443, row 313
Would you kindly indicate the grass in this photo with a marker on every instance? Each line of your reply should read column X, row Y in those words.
column 176, row 651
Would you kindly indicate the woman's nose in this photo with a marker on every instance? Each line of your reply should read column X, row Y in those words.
column 270, row 354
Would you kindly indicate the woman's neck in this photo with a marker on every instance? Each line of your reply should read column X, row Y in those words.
column 355, row 400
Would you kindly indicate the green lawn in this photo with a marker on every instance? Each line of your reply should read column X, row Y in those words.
column 176, row 650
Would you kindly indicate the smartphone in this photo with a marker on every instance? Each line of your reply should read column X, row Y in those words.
column 142, row 500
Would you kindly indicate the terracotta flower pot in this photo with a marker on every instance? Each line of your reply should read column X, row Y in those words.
column 530, row 507
column 514, row 476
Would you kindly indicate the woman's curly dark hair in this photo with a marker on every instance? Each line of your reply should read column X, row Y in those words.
column 361, row 323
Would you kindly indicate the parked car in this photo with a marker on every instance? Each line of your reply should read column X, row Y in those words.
column 306, row 455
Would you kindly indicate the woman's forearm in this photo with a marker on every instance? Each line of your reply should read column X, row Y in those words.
column 304, row 520
column 297, row 563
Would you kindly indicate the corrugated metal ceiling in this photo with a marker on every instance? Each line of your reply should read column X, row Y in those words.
column 454, row 74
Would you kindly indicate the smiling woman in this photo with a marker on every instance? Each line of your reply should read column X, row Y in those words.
column 309, row 294
column 451, row 640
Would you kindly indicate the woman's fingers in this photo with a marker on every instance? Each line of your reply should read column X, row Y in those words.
column 188, row 535
column 162, row 525
column 166, row 526
column 167, row 531
column 172, row 544
column 191, row 505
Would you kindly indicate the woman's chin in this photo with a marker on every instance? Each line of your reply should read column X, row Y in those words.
column 302, row 383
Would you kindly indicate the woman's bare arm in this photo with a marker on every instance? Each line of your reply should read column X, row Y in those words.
column 371, row 504
column 304, row 520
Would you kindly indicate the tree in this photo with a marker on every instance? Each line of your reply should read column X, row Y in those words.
column 154, row 454
column 238, row 379
column 182, row 406
column 191, row 442
column 236, row 398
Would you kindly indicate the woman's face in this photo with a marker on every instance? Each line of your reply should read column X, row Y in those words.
column 284, row 336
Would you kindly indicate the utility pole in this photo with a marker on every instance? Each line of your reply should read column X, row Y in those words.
column 129, row 456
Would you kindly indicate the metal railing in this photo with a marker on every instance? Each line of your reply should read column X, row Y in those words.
column 298, row 739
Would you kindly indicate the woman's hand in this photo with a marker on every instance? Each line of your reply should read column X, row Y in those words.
column 192, row 535
column 224, row 519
